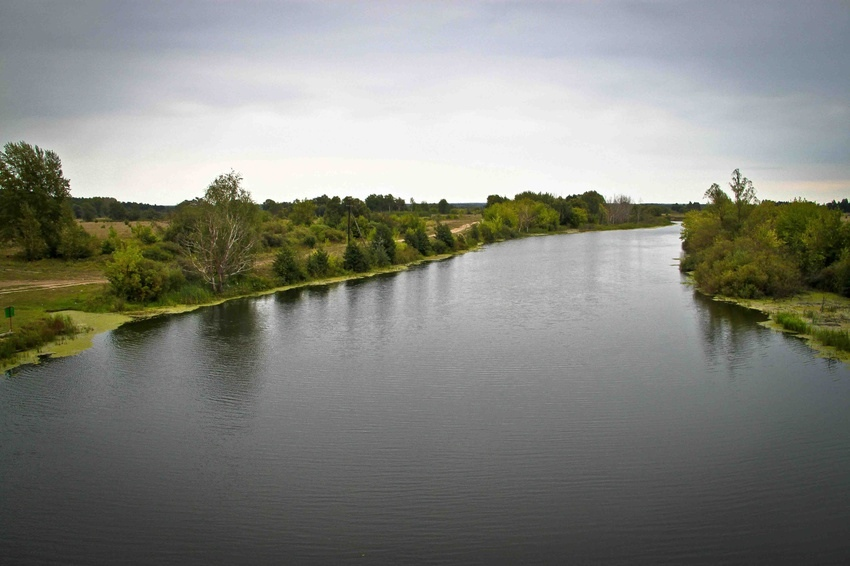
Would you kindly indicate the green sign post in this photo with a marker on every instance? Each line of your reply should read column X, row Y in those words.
column 10, row 312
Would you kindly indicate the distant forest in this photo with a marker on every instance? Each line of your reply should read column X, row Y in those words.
column 90, row 209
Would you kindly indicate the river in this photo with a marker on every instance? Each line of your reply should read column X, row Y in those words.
column 552, row 400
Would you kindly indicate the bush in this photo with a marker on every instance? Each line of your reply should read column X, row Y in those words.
column 486, row 232
column 134, row 277
column 439, row 247
column 318, row 264
column 407, row 254
column 288, row 267
column 744, row 268
column 161, row 251
column 144, row 233
column 111, row 243
column 76, row 243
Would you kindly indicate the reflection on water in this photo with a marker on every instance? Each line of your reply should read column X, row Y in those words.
column 730, row 334
column 548, row 399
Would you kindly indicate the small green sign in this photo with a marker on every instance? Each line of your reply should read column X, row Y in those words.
column 10, row 312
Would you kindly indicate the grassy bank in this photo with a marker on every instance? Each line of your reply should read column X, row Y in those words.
column 820, row 318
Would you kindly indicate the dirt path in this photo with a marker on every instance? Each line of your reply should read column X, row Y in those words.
column 7, row 287
column 462, row 228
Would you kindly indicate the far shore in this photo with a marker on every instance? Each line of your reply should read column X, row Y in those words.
column 94, row 324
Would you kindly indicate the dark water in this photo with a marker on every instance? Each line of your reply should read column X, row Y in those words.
column 546, row 401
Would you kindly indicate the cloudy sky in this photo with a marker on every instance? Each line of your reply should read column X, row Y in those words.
column 149, row 101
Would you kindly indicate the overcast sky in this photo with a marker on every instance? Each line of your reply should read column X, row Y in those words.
column 150, row 101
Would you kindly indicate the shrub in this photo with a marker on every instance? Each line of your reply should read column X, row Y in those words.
column 486, row 231
column 439, row 247
column 76, row 243
column 161, row 251
column 318, row 264
column 407, row 254
column 111, row 243
column 744, row 268
column 134, row 277
column 288, row 267
column 144, row 233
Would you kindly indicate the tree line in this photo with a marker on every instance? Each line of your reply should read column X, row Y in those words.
column 741, row 247
column 209, row 245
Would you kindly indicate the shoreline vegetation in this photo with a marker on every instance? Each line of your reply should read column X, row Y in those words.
column 789, row 260
column 101, row 262
column 82, row 327
column 820, row 318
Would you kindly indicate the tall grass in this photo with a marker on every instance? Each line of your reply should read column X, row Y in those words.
column 792, row 322
column 35, row 334
column 838, row 339
column 833, row 337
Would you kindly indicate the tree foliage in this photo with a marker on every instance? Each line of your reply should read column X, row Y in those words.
column 444, row 234
column 133, row 277
column 355, row 259
column 34, row 194
column 741, row 247
column 383, row 239
column 222, row 238
column 288, row 267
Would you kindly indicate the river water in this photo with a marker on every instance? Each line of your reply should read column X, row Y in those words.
column 553, row 400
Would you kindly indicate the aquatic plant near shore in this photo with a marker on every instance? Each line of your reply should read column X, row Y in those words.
column 37, row 333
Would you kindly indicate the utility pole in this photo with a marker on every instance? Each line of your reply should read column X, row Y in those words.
column 348, row 239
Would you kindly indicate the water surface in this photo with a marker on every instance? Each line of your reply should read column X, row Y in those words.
column 545, row 401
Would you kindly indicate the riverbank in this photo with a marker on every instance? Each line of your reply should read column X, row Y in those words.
column 92, row 324
column 819, row 310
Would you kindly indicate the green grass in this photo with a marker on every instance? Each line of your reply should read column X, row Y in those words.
column 835, row 338
column 792, row 322
column 832, row 337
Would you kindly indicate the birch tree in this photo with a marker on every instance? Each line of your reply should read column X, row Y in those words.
column 223, row 237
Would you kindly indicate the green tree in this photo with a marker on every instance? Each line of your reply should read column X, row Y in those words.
column 222, row 241
column 418, row 239
column 34, row 205
column 355, row 259
column 745, row 196
column 444, row 234
column 302, row 212
column 383, row 238
column 288, row 267
column 444, row 207
column 720, row 205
